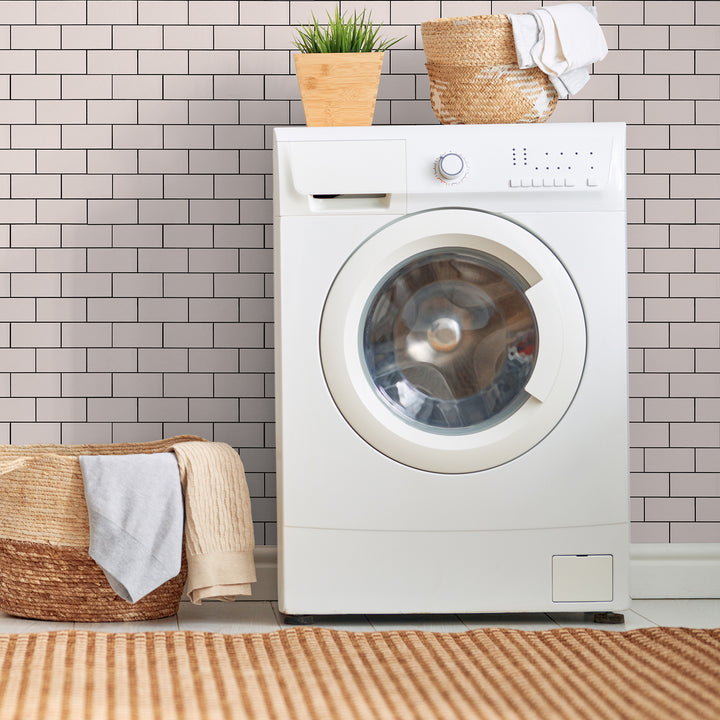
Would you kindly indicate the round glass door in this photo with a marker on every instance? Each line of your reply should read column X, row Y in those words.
column 449, row 340
column 452, row 340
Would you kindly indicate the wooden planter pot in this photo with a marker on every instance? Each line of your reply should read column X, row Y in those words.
column 338, row 88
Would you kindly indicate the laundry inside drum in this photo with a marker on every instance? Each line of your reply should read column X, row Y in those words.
column 450, row 340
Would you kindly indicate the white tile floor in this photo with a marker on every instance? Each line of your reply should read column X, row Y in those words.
column 250, row 617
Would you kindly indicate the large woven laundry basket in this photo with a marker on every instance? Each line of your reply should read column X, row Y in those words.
column 474, row 75
column 45, row 570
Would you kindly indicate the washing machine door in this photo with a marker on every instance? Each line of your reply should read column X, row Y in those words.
column 453, row 340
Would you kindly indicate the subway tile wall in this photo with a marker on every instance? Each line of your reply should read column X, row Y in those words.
column 136, row 236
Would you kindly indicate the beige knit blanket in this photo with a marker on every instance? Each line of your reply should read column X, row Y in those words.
column 219, row 538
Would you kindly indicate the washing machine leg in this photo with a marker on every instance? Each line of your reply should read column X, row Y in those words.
column 298, row 619
column 609, row 618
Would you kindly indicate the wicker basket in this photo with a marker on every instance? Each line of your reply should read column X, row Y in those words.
column 45, row 570
column 474, row 75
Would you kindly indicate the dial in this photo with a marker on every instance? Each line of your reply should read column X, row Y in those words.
column 451, row 167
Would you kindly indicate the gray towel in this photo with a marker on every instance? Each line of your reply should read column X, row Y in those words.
column 135, row 505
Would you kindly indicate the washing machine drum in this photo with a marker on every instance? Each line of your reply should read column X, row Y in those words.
column 453, row 340
column 449, row 340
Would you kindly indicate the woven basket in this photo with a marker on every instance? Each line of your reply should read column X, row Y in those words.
column 45, row 570
column 474, row 75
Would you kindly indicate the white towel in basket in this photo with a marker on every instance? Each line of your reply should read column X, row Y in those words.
column 563, row 41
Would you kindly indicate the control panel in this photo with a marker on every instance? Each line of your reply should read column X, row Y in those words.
column 579, row 163
column 547, row 167
column 566, row 166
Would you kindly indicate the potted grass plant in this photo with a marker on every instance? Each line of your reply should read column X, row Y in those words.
column 338, row 68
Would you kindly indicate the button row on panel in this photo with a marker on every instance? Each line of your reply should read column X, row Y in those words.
column 541, row 182
column 550, row 182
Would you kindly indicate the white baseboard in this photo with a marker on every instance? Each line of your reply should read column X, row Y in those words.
column 680, row 570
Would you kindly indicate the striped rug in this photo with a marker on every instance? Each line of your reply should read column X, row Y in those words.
column 326, row 674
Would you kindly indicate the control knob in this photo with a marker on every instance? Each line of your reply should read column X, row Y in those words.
column 451, row 167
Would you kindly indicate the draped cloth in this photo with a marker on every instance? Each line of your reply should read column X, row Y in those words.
column 219, row 538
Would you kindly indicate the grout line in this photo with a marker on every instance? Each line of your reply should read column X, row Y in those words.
column 276, row 613
column 645, row 617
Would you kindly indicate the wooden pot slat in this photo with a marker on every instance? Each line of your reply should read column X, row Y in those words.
column 338, row 89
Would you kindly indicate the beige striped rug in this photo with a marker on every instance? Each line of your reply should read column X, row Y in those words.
column 313, row 673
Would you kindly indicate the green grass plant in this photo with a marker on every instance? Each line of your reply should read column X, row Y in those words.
column 342, row 34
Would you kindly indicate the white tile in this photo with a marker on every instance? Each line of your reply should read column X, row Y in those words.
column 87, row 136
column 36, row 433
column 698, row 613
column 10, row 624
column 271, row 12
column 216, row 12
column 427, row 623
column 22, row 11
column 18, row 161
column 227, row 617
column 37, row 136
column 172, row 62
column 213, row 62
column 162, row 11
column 129, row 36
column 56, row 61
column 186, row 37
column 633, row 621
column 58, row 11
column 169, row 624
column 517, row 621
column 136, row 86
column 62, row 211
column 112, row 11
column 84, row 37
column 37, row 86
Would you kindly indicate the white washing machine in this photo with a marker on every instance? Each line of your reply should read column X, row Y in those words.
column 451, row 368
